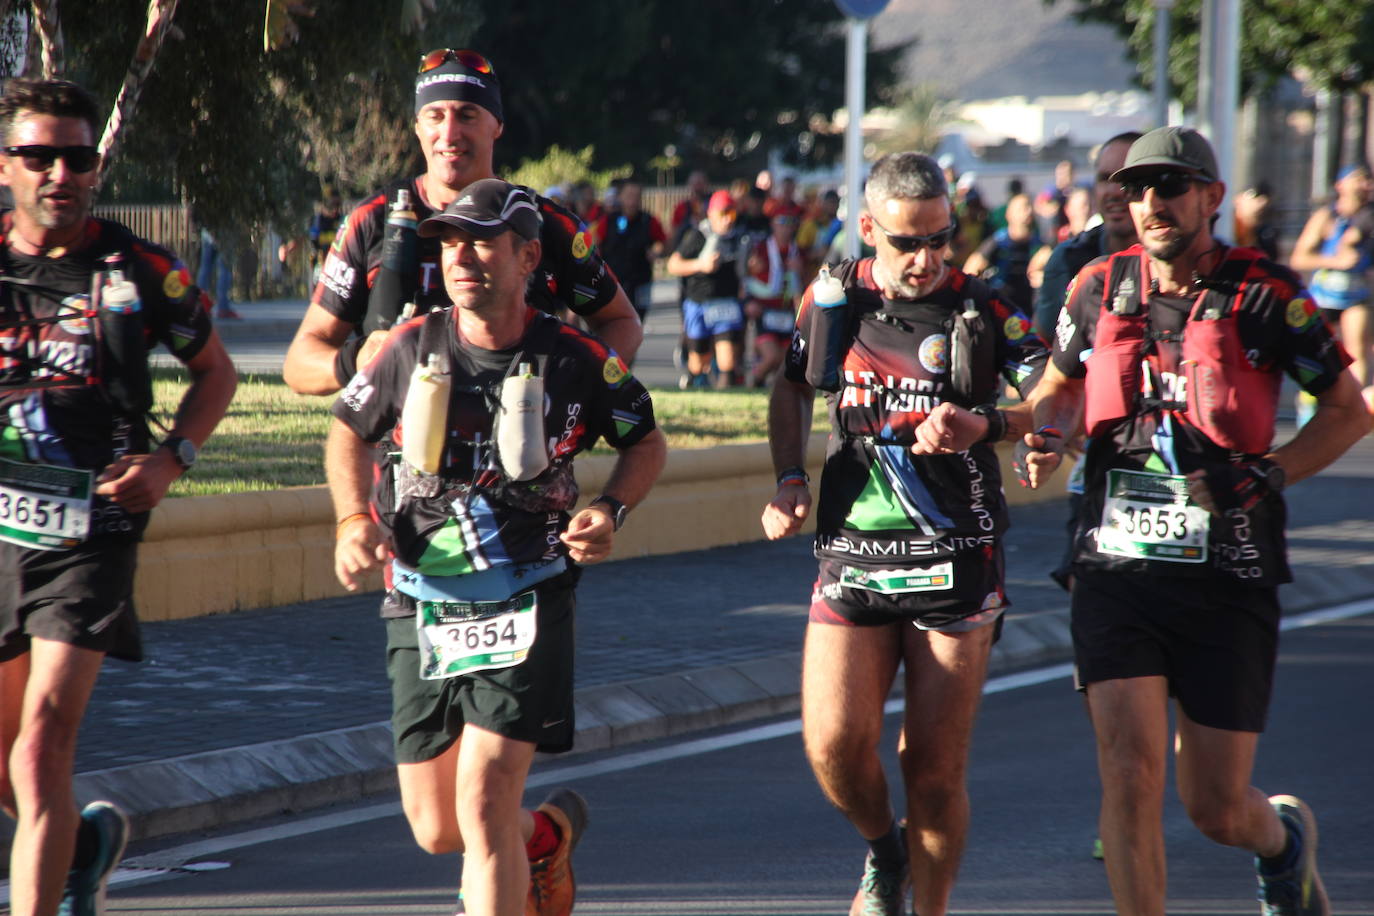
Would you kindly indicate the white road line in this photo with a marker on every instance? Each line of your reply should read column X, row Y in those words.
column 163, row 861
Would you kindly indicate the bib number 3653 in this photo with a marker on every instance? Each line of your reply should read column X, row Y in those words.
column 1148, row 516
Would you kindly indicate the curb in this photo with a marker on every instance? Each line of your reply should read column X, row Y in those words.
column 217, row 788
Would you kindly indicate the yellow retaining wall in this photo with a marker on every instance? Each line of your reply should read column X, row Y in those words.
column 210, row 554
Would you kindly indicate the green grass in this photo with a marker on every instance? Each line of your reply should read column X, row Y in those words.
column 272, row 437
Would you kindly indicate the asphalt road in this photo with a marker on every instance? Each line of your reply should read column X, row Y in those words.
column 732, row 823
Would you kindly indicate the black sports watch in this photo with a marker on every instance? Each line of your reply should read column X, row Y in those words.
column 618, row 509
column 183, row 450
column 1273, row 475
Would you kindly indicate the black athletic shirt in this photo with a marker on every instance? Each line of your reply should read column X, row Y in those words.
column 76, row 425
column 1282, row 333
column 570, row 275
column 879, row 504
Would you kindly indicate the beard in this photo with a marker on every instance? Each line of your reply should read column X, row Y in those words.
column 1169, row 249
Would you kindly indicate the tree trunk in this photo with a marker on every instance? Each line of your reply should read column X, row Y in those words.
column 160, row 13
column 49, row 29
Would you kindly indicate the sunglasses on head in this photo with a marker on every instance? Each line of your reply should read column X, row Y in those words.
column 909, row 244
column 39, row 157
column 470, row 59
column 1167, row 185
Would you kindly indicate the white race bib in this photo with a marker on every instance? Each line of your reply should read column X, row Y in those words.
column 459, row 637
column 777, row 321
column 721, row 311
column 44, row 506
column 1148, row 516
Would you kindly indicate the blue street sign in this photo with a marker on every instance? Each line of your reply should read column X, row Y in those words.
column 861, row 9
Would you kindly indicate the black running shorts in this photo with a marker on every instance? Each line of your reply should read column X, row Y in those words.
column 531, row 701
column 82, row 597
column 1215, row 641
column 976, row 597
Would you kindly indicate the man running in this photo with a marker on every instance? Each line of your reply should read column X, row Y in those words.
column 481, row 559
column 1175, row 349
column 79, row 472
column 458, row 117
column 909, row 526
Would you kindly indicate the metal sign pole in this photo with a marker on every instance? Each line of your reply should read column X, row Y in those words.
column 856, row 59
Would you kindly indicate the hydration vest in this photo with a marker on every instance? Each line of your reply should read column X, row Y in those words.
column 121, row 367
column 970, row 328
column 1231, row 394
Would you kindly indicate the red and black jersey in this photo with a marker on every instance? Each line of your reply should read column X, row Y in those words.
column 571, row 274
column 472, row 518
column 54, row 405
column 1281, row 331
column 879, row 504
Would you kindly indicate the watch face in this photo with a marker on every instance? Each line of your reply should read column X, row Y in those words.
column 185, row 453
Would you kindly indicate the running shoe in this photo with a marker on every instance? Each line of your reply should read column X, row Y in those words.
column 84, row 894
column 1097, row 849
column 552, row 885
column 1299, row 890
column 882, row 892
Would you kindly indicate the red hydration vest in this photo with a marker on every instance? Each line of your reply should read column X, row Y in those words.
column 1232, row 394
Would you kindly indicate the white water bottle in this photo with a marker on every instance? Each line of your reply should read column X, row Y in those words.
column 424, row 416
column 520, row 432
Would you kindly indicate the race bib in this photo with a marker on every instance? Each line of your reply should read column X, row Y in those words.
column 43, row 506
column 722, row 311
column 937, row 578
column 459, row 637
column 1147, row 516
column 777, row 321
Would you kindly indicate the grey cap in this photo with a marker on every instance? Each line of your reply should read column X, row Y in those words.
column 1169, row 147
column 485, row 209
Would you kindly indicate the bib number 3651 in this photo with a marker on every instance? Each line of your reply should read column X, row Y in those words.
column 44, row 506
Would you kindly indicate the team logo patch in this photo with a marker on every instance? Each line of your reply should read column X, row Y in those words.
column 78, row 324
column 175, row 283
column 581, row 245
column 1015, row 327
column 614, row 371
column 934, row 353
column 1300, row 313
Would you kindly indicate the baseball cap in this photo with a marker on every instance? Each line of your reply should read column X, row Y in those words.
column 458, row 76
column 485, row 209
column 721, row 200
column 1170, row 147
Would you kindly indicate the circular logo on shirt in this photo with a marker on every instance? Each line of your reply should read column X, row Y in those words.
column 614, row 372
column 581, row 245
column 1015, row 327
column 934, row 353
column 1300, row 312
column 174, row 284
column 78, row 324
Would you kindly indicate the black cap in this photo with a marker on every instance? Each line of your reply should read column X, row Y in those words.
column 1169, row 147
column 487, row 208
column 455, row 81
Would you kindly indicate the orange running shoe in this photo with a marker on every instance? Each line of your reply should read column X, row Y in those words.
column 552, row 885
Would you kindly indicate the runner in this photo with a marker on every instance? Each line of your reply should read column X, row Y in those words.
column 910, row 522
column 707, row 258
column 775, row 266
column 481, row 543
column 1176, row 348
column 79, row 472
column 458, row 117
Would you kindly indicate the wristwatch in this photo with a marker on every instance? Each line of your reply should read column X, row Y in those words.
column 183, row 450
column 1273, row 475
column 618, row 509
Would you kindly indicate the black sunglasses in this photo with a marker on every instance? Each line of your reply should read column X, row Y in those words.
column 1167, row 185
column 908, row 244
column 470, row 59
column 39, row 157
